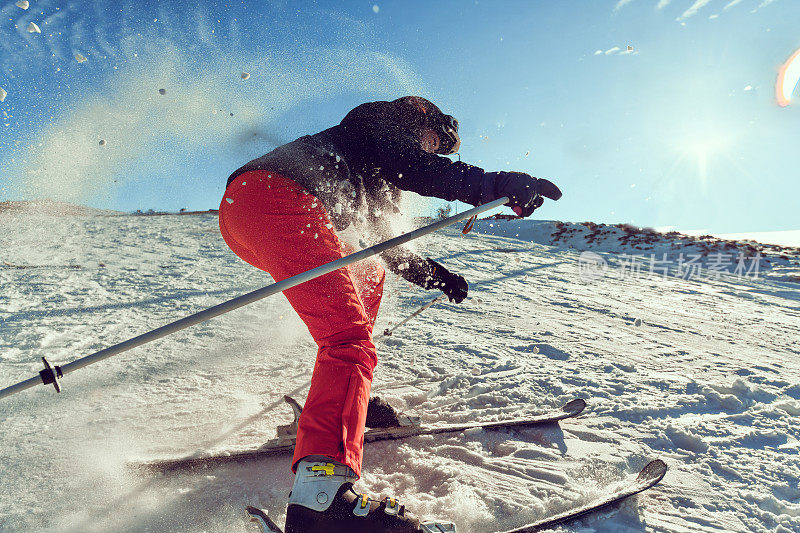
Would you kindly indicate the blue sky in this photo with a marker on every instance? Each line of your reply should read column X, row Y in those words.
column 683, row 130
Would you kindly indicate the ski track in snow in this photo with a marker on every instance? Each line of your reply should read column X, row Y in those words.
column 708, row 383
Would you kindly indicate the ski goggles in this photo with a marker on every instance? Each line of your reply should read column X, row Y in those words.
column 449, row 141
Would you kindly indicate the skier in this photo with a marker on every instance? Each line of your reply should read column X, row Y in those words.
column 284, row 213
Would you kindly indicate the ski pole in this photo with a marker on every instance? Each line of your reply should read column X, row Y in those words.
column 388, row 332
column 51, row 375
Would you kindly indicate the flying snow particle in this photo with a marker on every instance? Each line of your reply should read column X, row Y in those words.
column 33, row 28
column 535, row 349
column 598, row 52
column 162, row 92
column 80, row 58
column 245, row 75
column 637, row 322
column 23, row 4
column 748, row 88
column 229, row 200
column 102, row 142
column 3, row 94
column 375, row 8
column 527, row 153
column 630, row 48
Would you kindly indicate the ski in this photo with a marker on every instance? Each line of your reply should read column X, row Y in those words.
column 284, row 444
column 648, row 477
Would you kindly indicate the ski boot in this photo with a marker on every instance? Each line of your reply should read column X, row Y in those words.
column 380, row 414
column 323, row 501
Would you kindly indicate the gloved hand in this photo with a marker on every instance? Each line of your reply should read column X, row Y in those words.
column 453, row 285
column 525, row 192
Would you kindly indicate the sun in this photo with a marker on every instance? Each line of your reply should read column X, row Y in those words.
column 704, row 143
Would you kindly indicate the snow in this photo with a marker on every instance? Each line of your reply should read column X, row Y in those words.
column 3, row 94
column 784, row 238
column 707, row 381
column 33, row 28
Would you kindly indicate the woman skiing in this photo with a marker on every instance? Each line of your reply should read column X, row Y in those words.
column 283, row 214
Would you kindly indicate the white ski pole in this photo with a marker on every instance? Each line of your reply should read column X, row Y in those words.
column 51, row 375
column 388, row 332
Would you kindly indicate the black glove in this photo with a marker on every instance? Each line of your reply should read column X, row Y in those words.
column 525, row 192
column 453, row 285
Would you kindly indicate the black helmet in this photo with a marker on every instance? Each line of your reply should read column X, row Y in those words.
column 418, row 112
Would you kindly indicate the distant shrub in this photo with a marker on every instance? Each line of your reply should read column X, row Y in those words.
column 443, row 212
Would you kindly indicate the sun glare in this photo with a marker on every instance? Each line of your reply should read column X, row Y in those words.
column 703, row 145
column 788, row 77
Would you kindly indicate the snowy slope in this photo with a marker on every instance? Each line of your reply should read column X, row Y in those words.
column 671, row 251
column 708, row 382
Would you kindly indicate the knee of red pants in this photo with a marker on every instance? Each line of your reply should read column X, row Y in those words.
column 353, row 346
column 369, row 277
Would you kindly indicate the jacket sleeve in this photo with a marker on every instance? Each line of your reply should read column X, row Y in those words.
column 410, row 266
column 377, row 140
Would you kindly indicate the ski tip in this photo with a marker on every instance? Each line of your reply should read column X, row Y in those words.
column 653, row 472
column 260, row 517
column 295, row 405
column 574, row 407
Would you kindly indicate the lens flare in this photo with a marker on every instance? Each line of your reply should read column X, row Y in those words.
column 788, row 77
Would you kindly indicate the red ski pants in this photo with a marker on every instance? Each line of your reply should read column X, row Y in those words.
column 273, row 224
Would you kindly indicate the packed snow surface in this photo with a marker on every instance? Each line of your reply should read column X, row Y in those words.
column 699, row 371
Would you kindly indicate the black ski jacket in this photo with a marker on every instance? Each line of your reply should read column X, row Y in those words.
column 358, row 168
